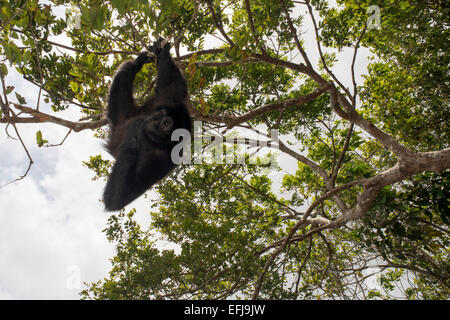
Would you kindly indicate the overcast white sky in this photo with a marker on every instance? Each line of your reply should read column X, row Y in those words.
column 51, row 222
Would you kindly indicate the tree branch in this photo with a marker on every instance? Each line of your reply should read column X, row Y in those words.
column 14, row 15
column 30, row 159
column 335, row 170
column 232, row 121
column 279, row 106
column 294, row 229
column 355, row 91
column 351, row 115
column 40, row 117
column 434, row 161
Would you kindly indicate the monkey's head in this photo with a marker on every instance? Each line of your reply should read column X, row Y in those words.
column 159, row 125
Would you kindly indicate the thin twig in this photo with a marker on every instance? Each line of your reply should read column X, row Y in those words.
column 194, row 15
column 252, row 27
column 353, row 65
column 135, row 32
column 99, row 53
column 290, row 209
column 54, row 96
column 41, row 75
column 61, row 143
column 322, row 58
column 30, row 163
column 218, row 23
column 335, row 169
column 294, row 34
column 15, row 14
column 307, row 257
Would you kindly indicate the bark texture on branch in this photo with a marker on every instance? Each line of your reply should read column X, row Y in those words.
column 41, row 117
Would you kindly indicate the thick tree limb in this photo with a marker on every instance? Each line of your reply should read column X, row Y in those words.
column 351, row 115
column 232, row 121
column 427, row 161
column 279, row 106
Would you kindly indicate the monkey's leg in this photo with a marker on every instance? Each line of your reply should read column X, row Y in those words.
column 152, row 166
column 121, row 187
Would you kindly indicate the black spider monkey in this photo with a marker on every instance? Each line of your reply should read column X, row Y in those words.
column 140, row 136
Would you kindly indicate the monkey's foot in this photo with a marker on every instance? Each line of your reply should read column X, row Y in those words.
column 159, row 45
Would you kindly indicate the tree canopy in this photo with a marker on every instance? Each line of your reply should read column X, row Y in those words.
column 370, row 195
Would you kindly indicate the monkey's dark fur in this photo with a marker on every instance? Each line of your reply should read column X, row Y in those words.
column 140, row 136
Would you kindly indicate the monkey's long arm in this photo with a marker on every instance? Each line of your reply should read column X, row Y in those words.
column 120, row 99
column 170, row 83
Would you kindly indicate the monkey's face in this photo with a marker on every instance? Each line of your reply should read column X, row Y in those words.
column 159, row 126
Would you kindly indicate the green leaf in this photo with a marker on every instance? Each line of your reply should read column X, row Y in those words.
column 8, row 89
column 3, row 69
column 12, row 52
column 74, row 86
column 39, row 140
column 20, row 98
column 120, row 5
column 100, row 19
